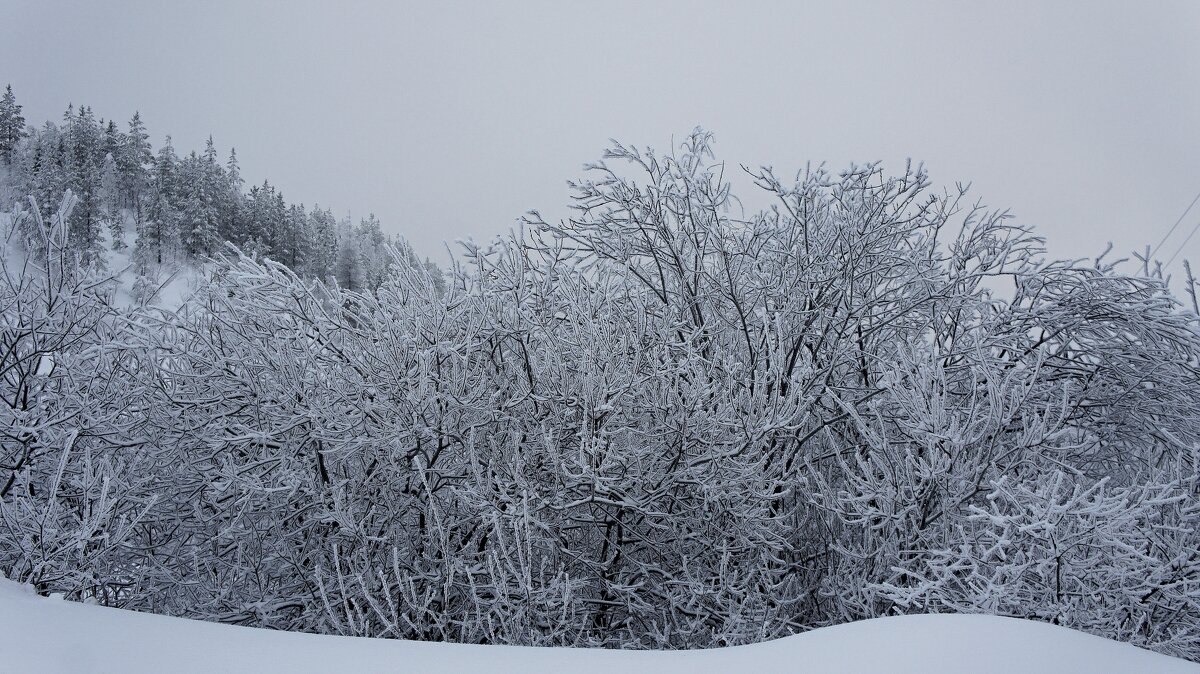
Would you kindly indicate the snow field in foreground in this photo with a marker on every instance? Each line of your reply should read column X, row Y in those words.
column 38, row 634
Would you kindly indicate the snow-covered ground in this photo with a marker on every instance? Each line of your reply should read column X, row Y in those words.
column 48, row 635
column 172, row 283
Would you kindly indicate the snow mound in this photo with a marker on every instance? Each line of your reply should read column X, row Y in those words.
column 38, row 634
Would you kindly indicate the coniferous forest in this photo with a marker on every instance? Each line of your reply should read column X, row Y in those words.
column 658, row 423
column 171, row 207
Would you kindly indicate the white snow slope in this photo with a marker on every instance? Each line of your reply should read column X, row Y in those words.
column 48, row 635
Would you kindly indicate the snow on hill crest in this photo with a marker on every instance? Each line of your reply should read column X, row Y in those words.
column 46, row 635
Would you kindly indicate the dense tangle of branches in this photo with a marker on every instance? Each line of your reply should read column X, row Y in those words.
column 656, row 424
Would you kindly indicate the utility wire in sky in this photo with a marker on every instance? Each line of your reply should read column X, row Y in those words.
column 1189, row 238
column 1172, row 230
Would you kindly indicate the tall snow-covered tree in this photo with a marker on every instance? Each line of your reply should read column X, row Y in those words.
column 200, row 183
column 110, row 201
column 83, row 143
column 373, row 255
column 135, row 161
column 297, row 248
column 47, row 175
column 231, row 202
column 348, row 268
column 159, row 236
column 114, row 140
column 12, row 125
column 264, row 219
column 323, row 244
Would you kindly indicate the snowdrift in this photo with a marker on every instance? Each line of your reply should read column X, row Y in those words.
column 49, row 635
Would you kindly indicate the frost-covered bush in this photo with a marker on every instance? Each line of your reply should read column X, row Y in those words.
column 71, row 488
column 659, row 423
column 1121, row 562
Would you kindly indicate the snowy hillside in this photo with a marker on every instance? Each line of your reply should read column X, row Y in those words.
column 49, row 635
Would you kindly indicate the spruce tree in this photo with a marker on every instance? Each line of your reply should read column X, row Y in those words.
column 348, row 268
column 232, row 203
column 48, row 177
column 114, row 140
column 257, row 227
column 159, row 238
column 280, row 244
column 371, row 251
column 233, row 171
column 166, row 169
column 133, row 162
column 84, row 141
column 110, row 201
column 12, row 125
column 322, row 239
column 198, row 209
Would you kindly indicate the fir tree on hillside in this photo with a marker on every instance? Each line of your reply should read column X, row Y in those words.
column 12, row 125
column 134, row 160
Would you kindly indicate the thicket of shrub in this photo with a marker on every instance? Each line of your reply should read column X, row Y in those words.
column 656, row 424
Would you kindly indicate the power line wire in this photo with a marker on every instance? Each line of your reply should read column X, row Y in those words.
column 1185, row 241
column 1172, row 230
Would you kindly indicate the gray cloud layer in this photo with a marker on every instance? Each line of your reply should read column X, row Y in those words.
column 451, row 120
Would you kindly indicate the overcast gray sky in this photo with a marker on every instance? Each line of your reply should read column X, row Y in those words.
column 450, row 120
